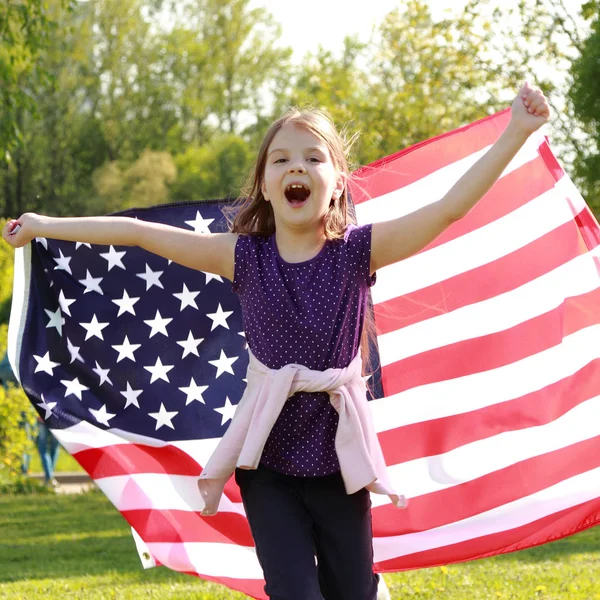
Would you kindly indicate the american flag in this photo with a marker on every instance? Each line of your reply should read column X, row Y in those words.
column 488, row 340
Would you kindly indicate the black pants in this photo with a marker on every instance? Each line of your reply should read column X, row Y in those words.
column 294, row 519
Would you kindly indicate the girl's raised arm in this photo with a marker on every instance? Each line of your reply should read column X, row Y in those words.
column 400, row 238
column 211, row 252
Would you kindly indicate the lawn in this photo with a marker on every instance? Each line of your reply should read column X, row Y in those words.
column 71, row 547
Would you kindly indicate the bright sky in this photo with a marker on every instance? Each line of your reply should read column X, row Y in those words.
column 310, row 23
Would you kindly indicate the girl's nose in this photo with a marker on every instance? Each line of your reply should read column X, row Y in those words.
column 297, row 168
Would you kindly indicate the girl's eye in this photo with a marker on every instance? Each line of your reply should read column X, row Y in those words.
column 315, row 159
column 279, row 160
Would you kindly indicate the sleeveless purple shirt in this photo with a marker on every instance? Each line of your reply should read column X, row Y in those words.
column 308, row 313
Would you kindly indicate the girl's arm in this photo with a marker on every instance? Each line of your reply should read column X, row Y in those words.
column 400, row 238
column 212, row 252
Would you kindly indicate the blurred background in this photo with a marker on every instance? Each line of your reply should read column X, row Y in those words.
column 107, row 104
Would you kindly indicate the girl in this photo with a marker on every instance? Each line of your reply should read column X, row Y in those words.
column 302, row 439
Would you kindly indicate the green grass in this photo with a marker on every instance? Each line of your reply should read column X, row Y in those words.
column 79, row 547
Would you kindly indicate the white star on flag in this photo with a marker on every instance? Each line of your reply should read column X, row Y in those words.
column 226, row 411
column 194, row 392
column 92, row 284
column 159, row 371
column 131, row 396
column 199, row 224
column 187, row 298
column 163, row 417
column 45, row 364
column 74, row 352
column 223, row 364
column 125, row 304
column 114, row 258
column 56, row 319
column 102, row 373
column 74, row 387
column 219, row 318
column 43, row 241
column 151, row 278
column 94, row 328
column 62, row 263
column 158, row 324
column 64, row 303
column 77, row 244
column 126, row 350
column 101, row 415
column 47, row 406
column 190, row 346
column 211, row 276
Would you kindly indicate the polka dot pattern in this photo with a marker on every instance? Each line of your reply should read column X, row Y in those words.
column 309, row 313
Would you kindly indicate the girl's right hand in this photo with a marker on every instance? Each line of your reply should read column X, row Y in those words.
column 19, row 232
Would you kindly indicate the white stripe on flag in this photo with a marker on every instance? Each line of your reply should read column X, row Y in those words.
column 476, row 248
column 433, row 186
column 209, row 558
column 159, row 492
column 478, row 390
column 477, row 459
column 566, row 494
column 499, row 313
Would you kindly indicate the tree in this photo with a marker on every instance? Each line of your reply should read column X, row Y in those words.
column 415, row 79
column 143, row 183
column 216, row 170
column 584, row 95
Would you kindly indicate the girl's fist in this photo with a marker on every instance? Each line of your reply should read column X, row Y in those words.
column 530, row 109
column 21, row 231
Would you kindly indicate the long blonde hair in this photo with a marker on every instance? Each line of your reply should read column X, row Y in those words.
column 253, row 215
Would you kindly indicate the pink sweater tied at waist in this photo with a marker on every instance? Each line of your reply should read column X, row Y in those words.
column 358, row 450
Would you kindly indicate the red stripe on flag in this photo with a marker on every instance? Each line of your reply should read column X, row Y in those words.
column 438, row 436
column 517, row 268
column 494, row 350
column 541, row 531
column 471, row 498
column 508, row 194
column 173, row 526
column 128, row 459
column 411, row 164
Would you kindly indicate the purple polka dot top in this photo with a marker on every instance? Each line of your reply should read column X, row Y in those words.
column 309, row 313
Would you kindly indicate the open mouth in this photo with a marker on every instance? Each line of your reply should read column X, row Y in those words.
column 296, row 194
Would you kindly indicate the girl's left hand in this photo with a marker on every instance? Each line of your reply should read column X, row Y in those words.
column 530, row 109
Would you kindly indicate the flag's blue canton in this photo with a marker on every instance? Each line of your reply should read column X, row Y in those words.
column 176, row 386
column 123, row 339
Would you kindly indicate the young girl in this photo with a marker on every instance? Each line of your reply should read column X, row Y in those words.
column 302, row 440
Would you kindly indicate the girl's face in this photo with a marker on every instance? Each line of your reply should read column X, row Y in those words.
column 300, row 178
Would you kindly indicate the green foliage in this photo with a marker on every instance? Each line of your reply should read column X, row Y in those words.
column 6, row 281
column 216, row 170
column 16, row 419
column 127, row 88
column 144, row 183
column 24, row 486
column 585, row 93
column 25, row 30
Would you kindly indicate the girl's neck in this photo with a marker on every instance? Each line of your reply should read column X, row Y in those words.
column 299, row 246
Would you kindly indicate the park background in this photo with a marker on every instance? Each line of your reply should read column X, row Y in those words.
column 109, row 104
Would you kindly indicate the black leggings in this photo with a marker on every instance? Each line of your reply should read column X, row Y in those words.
column 294, row 519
